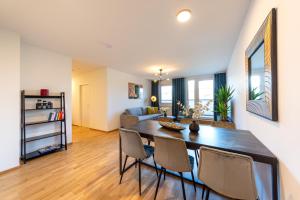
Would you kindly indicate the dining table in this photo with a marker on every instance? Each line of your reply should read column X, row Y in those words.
column 231, row 140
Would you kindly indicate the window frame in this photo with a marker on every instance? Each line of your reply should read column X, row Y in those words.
column 160, row 94
column 196, row 90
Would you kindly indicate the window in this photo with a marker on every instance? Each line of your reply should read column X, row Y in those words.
column 166, row 94
column 206, row 93
column 191, row 93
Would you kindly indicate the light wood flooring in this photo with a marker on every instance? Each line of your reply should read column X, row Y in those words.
column 87, row 170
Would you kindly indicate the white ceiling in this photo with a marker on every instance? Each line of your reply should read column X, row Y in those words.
column 134, row 36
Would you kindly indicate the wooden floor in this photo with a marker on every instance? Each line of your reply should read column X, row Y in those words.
column 88, row 170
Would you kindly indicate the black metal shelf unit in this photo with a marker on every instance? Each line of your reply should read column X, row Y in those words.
column 24, row 124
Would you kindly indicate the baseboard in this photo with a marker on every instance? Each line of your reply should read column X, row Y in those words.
column 104, row 131
column 9, row 170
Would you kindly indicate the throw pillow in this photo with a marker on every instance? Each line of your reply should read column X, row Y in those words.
column 152, row 110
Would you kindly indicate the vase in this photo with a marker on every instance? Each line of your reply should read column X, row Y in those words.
column 165, row 114
column 194, row 127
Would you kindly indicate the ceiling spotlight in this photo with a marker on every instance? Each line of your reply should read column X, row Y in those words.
column 184, row 15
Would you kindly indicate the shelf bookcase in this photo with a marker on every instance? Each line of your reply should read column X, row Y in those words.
column 25, row 139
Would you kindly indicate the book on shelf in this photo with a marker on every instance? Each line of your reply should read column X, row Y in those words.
column 53, row 116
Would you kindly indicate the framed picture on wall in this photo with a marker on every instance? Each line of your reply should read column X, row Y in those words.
column 135, row 91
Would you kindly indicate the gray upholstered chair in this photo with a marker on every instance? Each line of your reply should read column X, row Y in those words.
column 133, row 146
column 171, row 154
column 228, row 174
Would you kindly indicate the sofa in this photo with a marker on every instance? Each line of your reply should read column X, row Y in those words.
column 132, row 116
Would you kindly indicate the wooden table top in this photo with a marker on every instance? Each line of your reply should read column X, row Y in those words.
column 238, row 141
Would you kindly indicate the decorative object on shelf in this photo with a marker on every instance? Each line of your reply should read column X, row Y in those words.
column 135, row 91
column 45, row 104
column 39, row 104
column 160, row 75
column 164, row 110
column 44, row 92
column 49, row 105
column 261, row 70
column 198, row 111
column 223, row 97
column 172, row 126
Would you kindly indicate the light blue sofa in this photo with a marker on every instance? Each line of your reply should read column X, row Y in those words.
column 132, row 116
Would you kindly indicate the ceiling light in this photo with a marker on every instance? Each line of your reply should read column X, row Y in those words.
column 184, row 15
column 161, row 75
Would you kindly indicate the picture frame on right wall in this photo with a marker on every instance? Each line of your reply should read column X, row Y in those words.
column 261, row 70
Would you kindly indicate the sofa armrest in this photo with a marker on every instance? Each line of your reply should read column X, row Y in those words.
column 128, row 120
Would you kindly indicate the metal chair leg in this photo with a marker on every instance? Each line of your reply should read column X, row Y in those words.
column 140, row 181
column 123, row 169
column 157, row 186
column 203, row 191
column 182, row 185
column 194, row 183
column 207, row 194
column 196, row 157
column 155, row 166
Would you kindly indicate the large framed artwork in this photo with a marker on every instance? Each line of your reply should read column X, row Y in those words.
column 261, row 70
column 135, row 91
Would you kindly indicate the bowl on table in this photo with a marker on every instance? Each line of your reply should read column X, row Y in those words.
column 172, row 126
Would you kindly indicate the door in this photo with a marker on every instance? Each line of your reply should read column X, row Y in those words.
column 84, row 105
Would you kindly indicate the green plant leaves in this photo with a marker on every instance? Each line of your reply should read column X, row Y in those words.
column 223, row 96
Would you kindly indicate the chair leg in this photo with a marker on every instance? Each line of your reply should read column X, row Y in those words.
column 182, row 185
column 157, row 186
column 196, row 157
column 140, row 181
column 203, row 191
column 155, row 166
column 123, row 169
column 194, row 183
column 207, row 194
column 165, row 174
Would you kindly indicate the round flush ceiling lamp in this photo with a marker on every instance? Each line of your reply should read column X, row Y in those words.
column 184, row 15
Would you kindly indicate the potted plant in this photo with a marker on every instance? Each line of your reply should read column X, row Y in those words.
column 197, row 113
column 223, row 97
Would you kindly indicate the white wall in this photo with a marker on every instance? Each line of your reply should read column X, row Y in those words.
column 41, row 68
column 97, row 86
column 282, row 137
column 117, row 93
column 108, row 91
column 10, row 100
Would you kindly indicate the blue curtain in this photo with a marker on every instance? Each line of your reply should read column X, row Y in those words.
column 154, row 92
column 219, row 81
column 178, row 94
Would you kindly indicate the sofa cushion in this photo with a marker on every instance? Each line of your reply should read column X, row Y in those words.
column 134, row 111
column 152, row 110
column 146, row 117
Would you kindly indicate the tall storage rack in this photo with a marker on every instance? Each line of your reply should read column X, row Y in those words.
column 24, row 124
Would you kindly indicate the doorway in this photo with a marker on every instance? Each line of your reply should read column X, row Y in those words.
column 84, row 105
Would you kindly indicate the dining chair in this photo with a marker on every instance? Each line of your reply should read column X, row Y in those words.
column 133, row 146
column 171, row 154
column 228, row 174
